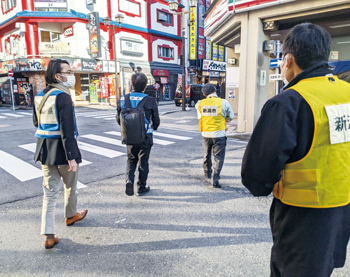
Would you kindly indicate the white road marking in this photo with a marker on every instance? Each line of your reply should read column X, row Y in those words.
column 104, row 139
column 104, row 116
column 171, row 136
column 32, row 146
column 24, row 113
column 157, row 141
column 81, row 185
column 3, row 117
column 111, row 118
column 17, row 168
column 99, row 150
column 13, row 115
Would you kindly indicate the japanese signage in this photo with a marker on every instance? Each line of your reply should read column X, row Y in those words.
column 104, row 87
column 131, row 47
column 54, row 48
column 68, row 32
column 221, row 53
column 50, row 4
column 215, row 52
column 210, row 110
column 94, row 34
column 93, row 94
column 339, row 123
column 207, row 49
column 109, row 66
column 201, row 46
column 7, row 66
column 91, row 65
column 193, row 36
column 212, row 65
column 160, row 72
column 33, row 64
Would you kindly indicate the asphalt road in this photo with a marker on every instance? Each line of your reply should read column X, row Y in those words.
column 183, row 227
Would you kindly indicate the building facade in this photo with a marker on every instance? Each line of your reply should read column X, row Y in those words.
column 34, row 31
column 253, row 30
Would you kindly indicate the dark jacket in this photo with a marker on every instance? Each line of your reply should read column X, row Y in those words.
column 59, row 151
column 151, row 112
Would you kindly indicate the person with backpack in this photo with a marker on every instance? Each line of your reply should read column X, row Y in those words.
column 137, row 114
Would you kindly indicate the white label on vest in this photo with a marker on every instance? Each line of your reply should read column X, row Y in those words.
column 210, row 110
column 48, row 113
column 339, row 123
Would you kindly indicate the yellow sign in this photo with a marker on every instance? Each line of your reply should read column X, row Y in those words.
column 193, row 37
column 208, row 49
column 215, row 52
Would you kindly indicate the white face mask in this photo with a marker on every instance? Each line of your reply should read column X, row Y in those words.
column 70, row 81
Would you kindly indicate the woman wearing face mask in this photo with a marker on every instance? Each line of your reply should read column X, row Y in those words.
column 57, row 148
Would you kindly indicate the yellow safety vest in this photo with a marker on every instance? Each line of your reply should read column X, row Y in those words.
column 322, row 178
column 212, row 119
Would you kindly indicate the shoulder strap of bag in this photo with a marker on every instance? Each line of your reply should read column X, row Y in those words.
column 142, row 103
column 127, row 101
column 42, row 103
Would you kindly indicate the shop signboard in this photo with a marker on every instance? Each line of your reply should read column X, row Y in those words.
column 7, row 66
column 163, row 80
column 215, row 52
column 33, row 64
column 222, row 11
column 207, row 49
column 68, row 32
column 60, row 4
column 221, row 53
column 94, row 34
column 61, row 47
column 201, row 47
column 93, row 94
column 193, row 36
column 214, row 74
column 91, row 65
column 109, row 66
column 213, row 65
column 246, row 5
column 160, row 72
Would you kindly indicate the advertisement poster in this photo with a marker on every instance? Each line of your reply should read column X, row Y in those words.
column 94, row 34
column 215, row 52
column 193, row 35
column 221, row 53
column 207, row 49
column 201, row 46
column 93, row 94
column 104, row 87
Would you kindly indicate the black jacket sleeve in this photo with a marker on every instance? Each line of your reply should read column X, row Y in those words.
column 118, row 112
column 155, row 114
column 35, row 118
column 271, row 145
column 65, row 115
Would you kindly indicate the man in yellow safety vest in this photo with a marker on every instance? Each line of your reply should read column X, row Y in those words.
column 213, row 113
column 300, row 151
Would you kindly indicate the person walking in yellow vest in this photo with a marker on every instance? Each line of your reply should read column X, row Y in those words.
column 299, row 150
column 213, row 113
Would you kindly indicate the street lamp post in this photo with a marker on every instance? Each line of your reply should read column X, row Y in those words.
column 173, row 6
column 119, row 18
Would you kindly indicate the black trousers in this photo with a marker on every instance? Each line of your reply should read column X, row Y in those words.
column 218, row 147
column 308, row 242
column 138, row 153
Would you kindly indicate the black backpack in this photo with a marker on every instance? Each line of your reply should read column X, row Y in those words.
column 132, row 122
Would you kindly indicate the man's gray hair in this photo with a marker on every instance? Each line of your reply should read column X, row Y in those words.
column 208, row 89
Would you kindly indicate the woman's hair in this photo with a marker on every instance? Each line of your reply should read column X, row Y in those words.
column 53, row 68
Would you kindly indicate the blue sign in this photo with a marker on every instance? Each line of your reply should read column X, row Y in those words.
column 275, row 63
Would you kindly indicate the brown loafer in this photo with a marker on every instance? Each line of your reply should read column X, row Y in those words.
column 79, row 216
column 50, row 243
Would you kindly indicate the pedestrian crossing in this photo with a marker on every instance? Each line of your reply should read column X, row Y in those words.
column 14, row 114
column 107, row 144
column 106, row 115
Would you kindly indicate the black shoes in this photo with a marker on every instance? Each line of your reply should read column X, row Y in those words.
column 143, row 191
column 216, row 185
column 129, row 190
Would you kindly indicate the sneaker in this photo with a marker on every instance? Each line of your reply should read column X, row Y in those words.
column 129, row 190
column 216, row 185
column 143, row 191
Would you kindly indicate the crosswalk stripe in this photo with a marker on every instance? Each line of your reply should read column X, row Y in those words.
column 21, row 170
column 171, row 136
column 11, row 114
column 104, row 116
column 24, row 113
column 99, row 150
column 157, row 141
column 81, row 185
column 32, row 146
column 104, row 139
column 110, row 118
column 3, row 117
column 96, row 114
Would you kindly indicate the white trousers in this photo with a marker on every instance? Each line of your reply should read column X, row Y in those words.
column 51, row 186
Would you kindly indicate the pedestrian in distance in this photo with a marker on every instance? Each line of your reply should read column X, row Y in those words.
column 213, row 113
column 299, row 150
column 137, row 113
column 152, row 92
column 57, row 148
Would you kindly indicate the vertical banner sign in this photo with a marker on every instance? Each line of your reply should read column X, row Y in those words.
column 215, row 52
column 193, row 36
column 201, row 48
column 207, row 49
column 93, row 94
column 94, row 34
column 221, row 53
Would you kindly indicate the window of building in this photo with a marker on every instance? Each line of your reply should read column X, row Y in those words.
column 47, row 36
column 130, row 7
column 164, row 17
column 165, row 52
column 7, row 5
